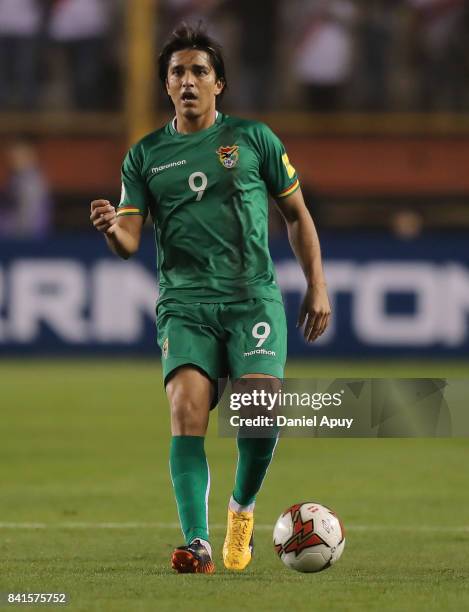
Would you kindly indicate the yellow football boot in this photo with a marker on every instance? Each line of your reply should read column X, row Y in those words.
column 239, row 541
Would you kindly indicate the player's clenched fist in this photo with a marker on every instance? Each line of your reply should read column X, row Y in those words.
column 103, row 216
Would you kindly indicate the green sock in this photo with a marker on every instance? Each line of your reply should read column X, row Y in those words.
column 254, row 457
column 191, row 482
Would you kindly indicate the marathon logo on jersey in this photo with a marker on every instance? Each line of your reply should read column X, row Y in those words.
column 165, row 348
column 175, row 164
column 228, row 156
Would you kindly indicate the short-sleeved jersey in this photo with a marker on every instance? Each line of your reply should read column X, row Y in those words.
column 207, row 194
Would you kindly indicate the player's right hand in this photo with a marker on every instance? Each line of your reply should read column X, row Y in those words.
column 103, row 216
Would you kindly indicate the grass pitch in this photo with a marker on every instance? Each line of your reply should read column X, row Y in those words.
column 86, row 505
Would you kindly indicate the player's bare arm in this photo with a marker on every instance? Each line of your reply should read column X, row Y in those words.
column 122, row 233
column 315, row 309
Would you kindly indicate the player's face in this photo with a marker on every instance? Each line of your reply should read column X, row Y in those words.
column 192, row 84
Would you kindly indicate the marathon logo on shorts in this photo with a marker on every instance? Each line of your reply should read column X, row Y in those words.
column 165, row 348
column 260, row 352
column 228, row 156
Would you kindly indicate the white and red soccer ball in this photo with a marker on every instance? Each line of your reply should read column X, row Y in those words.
column 309, row 537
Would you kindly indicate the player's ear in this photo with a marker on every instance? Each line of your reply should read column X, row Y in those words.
column 219, row 86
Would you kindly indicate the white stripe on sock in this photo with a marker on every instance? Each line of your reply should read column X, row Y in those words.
column 207, row 491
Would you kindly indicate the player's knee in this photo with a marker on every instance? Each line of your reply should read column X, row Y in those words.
column 257, row 382
column 187, row 415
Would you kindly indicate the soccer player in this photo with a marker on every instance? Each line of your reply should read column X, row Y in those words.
column 204, row 179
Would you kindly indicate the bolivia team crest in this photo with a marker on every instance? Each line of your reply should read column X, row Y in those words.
column 228, row 156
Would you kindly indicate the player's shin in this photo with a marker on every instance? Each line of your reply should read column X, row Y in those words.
column 191, row 481
column 254, row 457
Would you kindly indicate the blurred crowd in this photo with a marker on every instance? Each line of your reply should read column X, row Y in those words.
column 296, row 55
column 26, row 203
column 320, row 55
column 58, row 54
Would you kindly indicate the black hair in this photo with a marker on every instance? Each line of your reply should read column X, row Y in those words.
column 188, row 37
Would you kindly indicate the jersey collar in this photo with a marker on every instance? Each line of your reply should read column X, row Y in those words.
column 173, row 130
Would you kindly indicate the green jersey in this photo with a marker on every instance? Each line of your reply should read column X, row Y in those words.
column 207, row 194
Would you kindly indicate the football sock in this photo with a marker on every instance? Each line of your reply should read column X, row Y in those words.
column 191, row 482
column 254, row 457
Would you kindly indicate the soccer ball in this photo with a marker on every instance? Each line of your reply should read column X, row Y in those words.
column 309, row 537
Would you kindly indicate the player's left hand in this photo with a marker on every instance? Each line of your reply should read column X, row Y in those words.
column 315, row 312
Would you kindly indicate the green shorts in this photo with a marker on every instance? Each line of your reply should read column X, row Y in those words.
column 224, row 339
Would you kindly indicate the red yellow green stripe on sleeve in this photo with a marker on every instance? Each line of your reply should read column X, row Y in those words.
column 289, row 190
column 128, row 210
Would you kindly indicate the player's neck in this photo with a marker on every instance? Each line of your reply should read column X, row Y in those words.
column 189, row 125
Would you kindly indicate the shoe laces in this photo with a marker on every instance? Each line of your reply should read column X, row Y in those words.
column 240, row 531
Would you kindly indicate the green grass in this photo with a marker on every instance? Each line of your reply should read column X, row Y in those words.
column 85, row 443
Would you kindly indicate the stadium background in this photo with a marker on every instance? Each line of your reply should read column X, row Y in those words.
column 372, row 103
